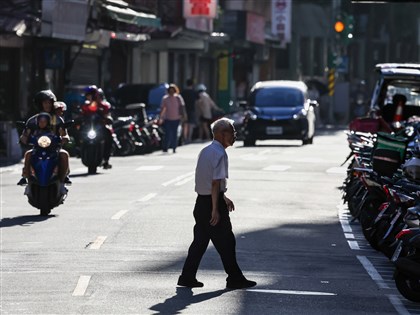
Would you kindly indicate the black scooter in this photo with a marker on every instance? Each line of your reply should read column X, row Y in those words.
column 407, row 268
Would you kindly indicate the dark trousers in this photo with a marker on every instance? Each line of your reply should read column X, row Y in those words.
column 221, row 236
column 171, row 130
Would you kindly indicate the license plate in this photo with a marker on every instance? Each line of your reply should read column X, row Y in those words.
column 274, row 130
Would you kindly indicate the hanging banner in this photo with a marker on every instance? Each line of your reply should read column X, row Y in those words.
column 200, row 8
column 281, row 20
column 255, row 28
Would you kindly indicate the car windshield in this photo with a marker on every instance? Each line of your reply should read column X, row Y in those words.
column 278, row 97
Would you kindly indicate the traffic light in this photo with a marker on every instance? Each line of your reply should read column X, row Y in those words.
column 343, row 28
column 339, row 26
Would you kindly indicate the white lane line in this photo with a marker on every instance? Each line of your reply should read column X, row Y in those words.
column 149, row 168
column 373, row 273
column 185, row 180
column 147, row 197
column 354, row 245
column 398, row 305
column 119, row 215
column 346, row 226
column 81, row 286
column 276, row 168
column 291, row 292
column 349, row 235
column 177, row 179
column 96, row 244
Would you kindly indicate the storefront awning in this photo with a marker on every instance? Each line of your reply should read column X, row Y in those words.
column 119, row 11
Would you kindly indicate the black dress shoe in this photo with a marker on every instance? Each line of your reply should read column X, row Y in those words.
column 240, row 284
column 106, row 166
column 189, row 283
column 67, row 181
column 22, row 182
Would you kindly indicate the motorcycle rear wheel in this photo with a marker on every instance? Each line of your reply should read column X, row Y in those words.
column 407, row 286
column 44, row 201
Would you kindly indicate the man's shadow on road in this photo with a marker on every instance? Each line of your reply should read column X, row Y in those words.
column 182, row 299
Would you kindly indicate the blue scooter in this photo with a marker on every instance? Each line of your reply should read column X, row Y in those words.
column 43, row 190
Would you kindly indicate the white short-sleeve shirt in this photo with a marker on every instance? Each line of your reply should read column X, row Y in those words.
column 212, row 164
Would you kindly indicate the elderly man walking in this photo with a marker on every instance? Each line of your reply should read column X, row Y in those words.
column 211, row 211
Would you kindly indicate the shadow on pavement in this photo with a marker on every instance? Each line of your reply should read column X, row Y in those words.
column 182, row 299
column 25, row 220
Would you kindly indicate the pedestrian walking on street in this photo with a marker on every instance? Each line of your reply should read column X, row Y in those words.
column 205, row 106
column 190, row 97
column 211, row 211
column 171, row 114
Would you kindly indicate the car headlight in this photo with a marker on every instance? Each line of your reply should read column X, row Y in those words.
column 301, row 114
column 91, row 134
column 44, row 142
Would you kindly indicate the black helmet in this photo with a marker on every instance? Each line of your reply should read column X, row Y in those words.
column 42, row 96
column 92, row 90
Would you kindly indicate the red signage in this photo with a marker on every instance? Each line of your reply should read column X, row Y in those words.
column 200, row 8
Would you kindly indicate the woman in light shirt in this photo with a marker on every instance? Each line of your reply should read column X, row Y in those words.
column 171, row 113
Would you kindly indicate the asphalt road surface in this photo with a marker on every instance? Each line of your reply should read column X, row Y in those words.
column 118, row 243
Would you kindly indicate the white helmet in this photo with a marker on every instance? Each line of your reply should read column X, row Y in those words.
column 201, row 87
column 61, row 105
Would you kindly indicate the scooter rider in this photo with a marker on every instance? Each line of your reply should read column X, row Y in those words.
column 44, row 101
column 93, row 97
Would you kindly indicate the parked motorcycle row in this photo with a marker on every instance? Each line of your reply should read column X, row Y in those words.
column 136, row 133
column 382, row 192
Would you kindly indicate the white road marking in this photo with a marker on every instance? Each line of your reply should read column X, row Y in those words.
column 147, row 197
column 149, row 168
column 343, row 217
column 373, row 273
column 177, row 179
column 119, row 215
column 256, row 157
column 349, row 235
column 346, row 226
column 291, row 292
column 371, row 270
column 276, row 168
column 98, row 242
column 399, row 307
column 354, row 245
column 185, row 180
column 81, row 286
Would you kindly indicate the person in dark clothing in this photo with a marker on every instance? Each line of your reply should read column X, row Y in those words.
column 95, row 98
column 211, row 211
column 190, row 96
column 44, row 101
